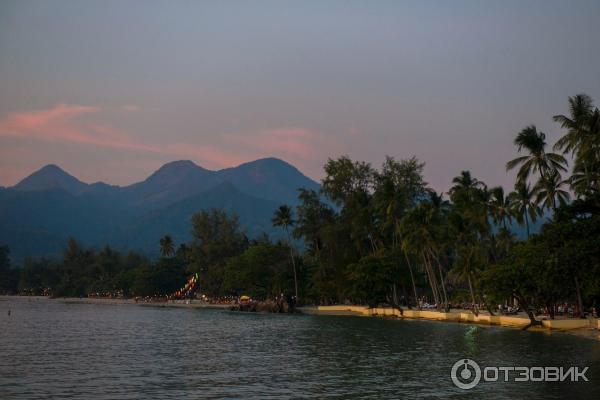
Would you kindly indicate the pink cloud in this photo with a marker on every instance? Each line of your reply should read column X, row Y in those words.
column 294, row 144
column 44, row 123
column 64, row 122
column 87, row 125
column 211, row 156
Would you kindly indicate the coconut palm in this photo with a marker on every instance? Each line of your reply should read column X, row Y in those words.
column 467, row 251
column 537, row 160
column 283, row 218
column 167, row 247
column 548, row 190
column 416, row 241
column 581, row 109
column 582, row 140
column 398, row 187
column 420, row 230
column 500, row 206
column 523, row 202
column 585, row 176
column 471, row 198
column 465, row 181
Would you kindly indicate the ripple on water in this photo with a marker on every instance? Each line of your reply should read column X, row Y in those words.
column 88, row 351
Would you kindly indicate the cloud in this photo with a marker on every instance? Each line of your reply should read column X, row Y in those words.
column 64, row 122
column 293, row 144
column 211, row 156
column 88, row 125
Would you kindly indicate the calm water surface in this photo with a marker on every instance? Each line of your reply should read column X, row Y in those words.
column 49, row 349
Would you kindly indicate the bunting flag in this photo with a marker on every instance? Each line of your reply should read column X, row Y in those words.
column 188, row 290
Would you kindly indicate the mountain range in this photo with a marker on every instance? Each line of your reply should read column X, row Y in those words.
column 42, row 211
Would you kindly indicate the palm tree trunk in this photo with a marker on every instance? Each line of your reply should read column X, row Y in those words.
column 443, row 288
column 525, row 305
column 432, row 280
column 441, row 280
column 474, row 310
column 293, row 263
column 579, row 300
column 395, row 300
column 438, row 292
column 527, row 222
column 412, row 279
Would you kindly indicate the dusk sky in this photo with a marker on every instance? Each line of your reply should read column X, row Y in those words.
column 111, row 90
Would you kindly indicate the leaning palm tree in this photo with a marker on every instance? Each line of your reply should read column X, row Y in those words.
column 167, row 247
column 523, row 202
column 420, row 231
column 549, row 190
column 283, row 217
column 537, row 160
column 467, row 251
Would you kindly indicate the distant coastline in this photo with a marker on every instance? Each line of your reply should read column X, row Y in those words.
column 592, row 331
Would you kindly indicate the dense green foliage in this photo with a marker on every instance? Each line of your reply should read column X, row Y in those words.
column 83, row 272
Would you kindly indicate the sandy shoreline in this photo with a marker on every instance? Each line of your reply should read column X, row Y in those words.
column 591, row 331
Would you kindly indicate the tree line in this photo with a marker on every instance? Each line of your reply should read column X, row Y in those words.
column 383, row 235
column 227, row 262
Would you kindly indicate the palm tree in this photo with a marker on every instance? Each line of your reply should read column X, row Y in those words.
column 524, row 205
column 549, row 190
column 585, row 177
column 470, row 195
column 537, row 160
column 420, row 232
column 416, row 240
column 167, row 247
column 397, row 188
column 581, row 109
column 500, row 206
column 581, row 140
column 467, row 251
column 283, row 217
column 465, row 181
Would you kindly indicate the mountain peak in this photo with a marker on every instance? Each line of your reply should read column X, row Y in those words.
column 52, row 168
column 180, row 164
column 180, row 176
column 269, row 178
column 51, row 176
column 269, row 162
column 176, row 170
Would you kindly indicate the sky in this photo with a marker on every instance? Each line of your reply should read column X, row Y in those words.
column 111, row 90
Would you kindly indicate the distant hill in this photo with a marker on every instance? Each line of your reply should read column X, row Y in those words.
column 38, row 214
column 51, row 177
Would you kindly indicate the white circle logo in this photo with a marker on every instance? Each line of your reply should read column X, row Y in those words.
column 465, row 374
